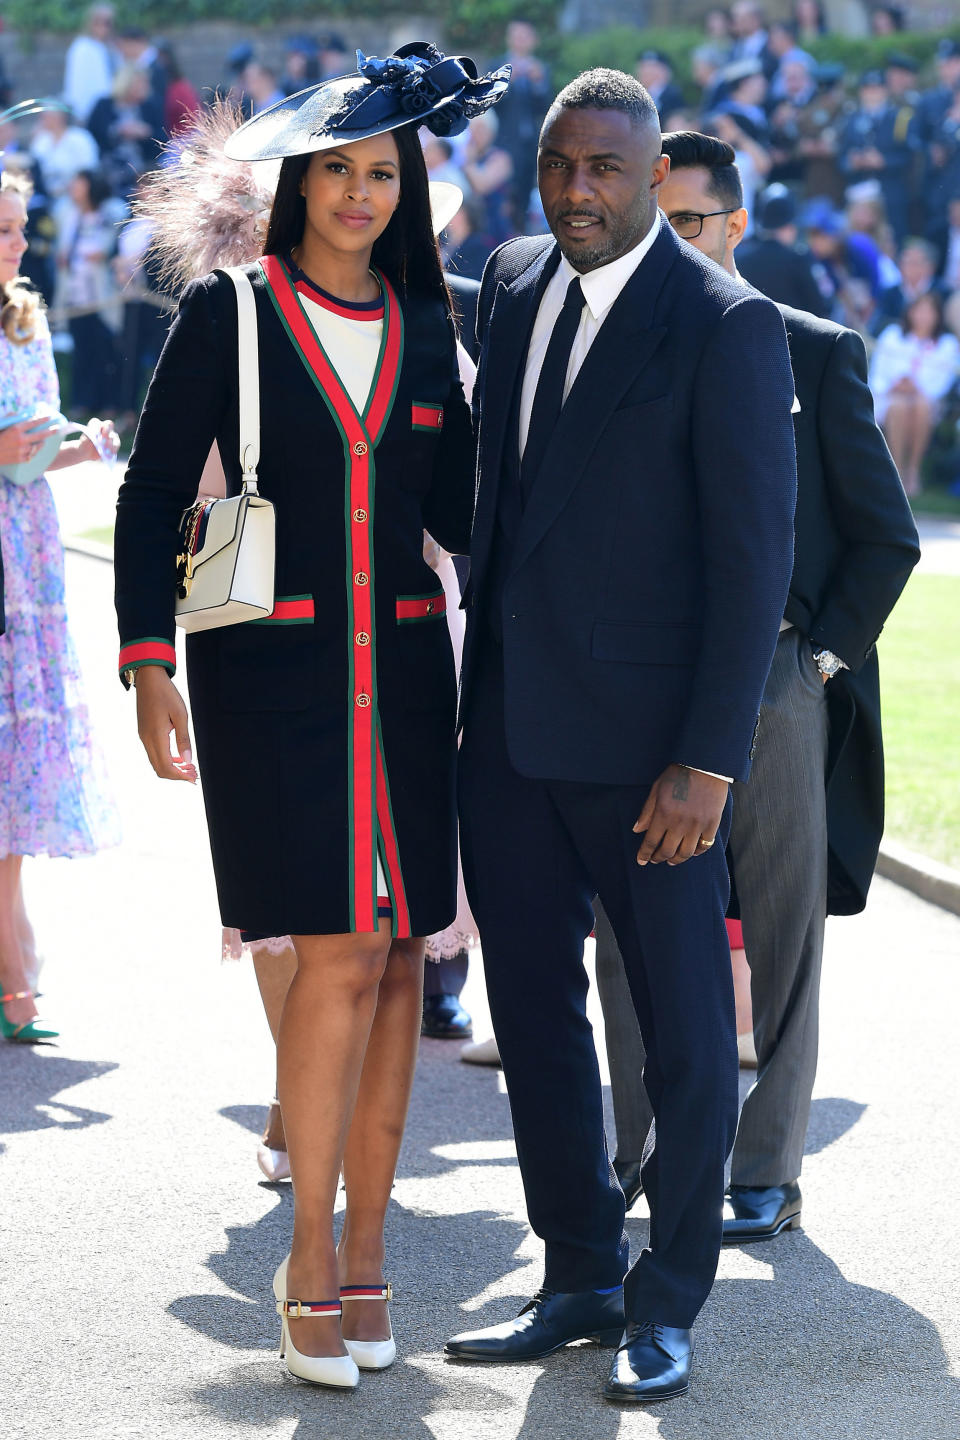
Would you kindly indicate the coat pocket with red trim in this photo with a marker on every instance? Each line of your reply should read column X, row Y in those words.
column 289, row 610
column 421, row 607
column 427, row 415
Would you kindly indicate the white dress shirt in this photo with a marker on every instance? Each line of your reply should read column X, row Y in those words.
column 601, row 287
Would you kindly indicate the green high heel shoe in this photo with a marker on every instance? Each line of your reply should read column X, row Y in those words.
column 31, row 1032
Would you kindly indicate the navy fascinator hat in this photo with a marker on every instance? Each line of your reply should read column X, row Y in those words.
column 418, row 85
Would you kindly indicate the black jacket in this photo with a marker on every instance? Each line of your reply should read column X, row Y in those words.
column 782, row 273
column 855, row 545
column 647, row 574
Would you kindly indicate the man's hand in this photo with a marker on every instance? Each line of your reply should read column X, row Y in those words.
column 681, row 816
column 160, row 711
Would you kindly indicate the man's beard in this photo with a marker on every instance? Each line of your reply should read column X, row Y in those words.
column 620, row 234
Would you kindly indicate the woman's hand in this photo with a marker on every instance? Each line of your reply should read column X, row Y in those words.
column 107, row 441
column 72, row 452
column 160, row 713
column 21, row 442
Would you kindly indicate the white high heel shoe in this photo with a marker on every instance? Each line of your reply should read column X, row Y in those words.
column 370, row 1354
column 339, row 1372
column 275, row 1164
column 366, row 1354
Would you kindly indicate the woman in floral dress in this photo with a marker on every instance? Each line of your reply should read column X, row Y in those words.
column 51, row 802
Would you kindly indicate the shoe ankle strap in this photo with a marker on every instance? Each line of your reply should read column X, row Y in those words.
column 367, row 1292
column 296, row 1309
column 16, row 995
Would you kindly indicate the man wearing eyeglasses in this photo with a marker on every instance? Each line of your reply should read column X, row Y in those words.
column 806, row 829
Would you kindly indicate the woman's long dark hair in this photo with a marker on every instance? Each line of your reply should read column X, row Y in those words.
column 406, row 252
column 936, row 300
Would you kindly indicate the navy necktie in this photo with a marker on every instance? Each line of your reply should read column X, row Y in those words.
column 548, row 400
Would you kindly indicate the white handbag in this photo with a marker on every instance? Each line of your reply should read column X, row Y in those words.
column 225, row 569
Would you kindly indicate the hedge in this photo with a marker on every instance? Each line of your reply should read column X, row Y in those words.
column 620, row 46
column 474, row 21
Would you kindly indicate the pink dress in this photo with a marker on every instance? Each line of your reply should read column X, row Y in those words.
column 53, row 795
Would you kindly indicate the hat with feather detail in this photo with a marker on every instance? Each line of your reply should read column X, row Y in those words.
column 418, row 85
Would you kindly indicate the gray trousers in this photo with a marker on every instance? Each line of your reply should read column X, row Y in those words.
column 778, row 851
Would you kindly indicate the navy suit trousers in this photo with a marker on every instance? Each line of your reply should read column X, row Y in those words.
column 535, row 854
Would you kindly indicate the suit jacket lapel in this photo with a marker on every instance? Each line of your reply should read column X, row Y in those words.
column 511, row 321
column 508, row 335
column 626, row 343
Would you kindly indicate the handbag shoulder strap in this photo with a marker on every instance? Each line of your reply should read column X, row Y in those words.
column 249, row 374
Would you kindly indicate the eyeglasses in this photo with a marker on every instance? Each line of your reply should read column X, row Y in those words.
column 688, row 224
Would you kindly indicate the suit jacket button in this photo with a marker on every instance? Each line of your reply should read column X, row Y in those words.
column 360, row 448
column 363, row 701
column 361, row 578
column 363, row 638
column 360, row 516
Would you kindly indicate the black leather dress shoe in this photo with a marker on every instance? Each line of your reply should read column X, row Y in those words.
column 653, row 1363
column 758, row 1212
column 444, row 1018
column 628, row 1173
column 546, row 1323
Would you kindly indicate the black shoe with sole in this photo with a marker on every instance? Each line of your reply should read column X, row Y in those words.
column 759, row 1212
column 653, row 1363
column 444, row 1018
column 546, row 1323
column 631, row 1183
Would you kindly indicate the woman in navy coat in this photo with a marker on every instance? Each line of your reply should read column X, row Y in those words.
column 325, row 733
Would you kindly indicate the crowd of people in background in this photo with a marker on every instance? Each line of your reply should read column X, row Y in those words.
column 852, row 181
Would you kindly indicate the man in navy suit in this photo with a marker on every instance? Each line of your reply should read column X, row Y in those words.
column 631, row 554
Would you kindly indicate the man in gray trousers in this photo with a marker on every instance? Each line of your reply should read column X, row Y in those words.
column 807, row 825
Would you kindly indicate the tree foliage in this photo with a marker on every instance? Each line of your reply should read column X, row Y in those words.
column 477, row 22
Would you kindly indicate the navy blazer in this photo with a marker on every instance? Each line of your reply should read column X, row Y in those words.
column 650, row 569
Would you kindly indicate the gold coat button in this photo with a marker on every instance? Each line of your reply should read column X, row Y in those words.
column 363, row 701
column 363, row 638
column 429, row 607
column 360, row 516
column 360, row 578
column 360, row 448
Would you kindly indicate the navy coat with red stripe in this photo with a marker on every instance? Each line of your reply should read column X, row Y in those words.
column 327, row 732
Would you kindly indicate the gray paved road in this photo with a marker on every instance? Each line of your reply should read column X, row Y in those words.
column 137, row 1244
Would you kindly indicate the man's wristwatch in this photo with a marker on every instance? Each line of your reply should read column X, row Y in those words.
column 827, row 663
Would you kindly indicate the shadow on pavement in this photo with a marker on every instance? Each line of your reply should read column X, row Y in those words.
column 830, row 1119
column 436, row 1262
column 795, row 1350
column 248, row 1117
column 33, row 1077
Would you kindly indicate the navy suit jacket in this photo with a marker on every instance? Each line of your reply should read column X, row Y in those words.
column 650, row 567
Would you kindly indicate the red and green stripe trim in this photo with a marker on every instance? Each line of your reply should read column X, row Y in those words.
column 151, row 650
column 359, row 435
column 289, row 610
column 338, row 307
column 390, row 849
column 427, row 416
column 420, row 607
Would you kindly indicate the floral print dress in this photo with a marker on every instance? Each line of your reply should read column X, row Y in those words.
column 53, row 799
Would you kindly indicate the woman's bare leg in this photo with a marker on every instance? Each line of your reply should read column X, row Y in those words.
column 741, row 991
column 896, row 429
column 28, row 941
column 324, row 1033
column 274, row 974
column 13, row 977
column 920, row 428
column 376, row 1133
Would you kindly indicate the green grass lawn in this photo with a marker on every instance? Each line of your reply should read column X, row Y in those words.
column 103, row 534
column 920, row 679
